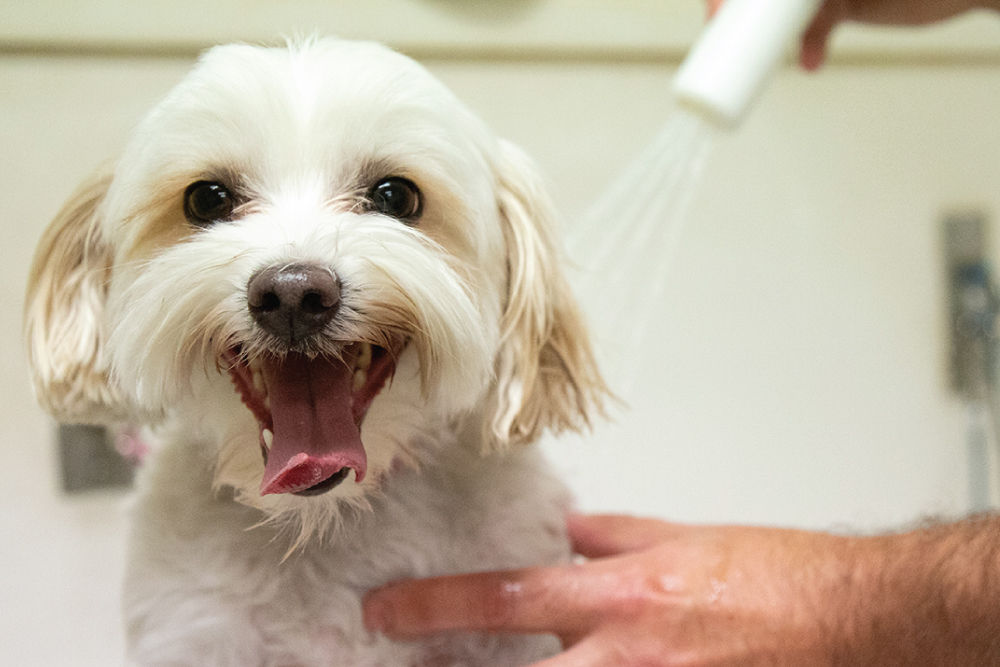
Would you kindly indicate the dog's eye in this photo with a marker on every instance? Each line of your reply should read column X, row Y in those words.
column 206, row 202
column 397, row 197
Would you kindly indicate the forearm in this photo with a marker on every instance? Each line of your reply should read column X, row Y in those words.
column 928, row 596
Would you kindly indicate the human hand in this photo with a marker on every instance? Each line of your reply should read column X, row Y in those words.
column 653, row 593
column 889, row 12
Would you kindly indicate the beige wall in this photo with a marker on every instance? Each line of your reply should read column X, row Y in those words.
column 795, row 369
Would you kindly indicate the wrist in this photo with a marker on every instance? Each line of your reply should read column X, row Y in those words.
column 922, row 597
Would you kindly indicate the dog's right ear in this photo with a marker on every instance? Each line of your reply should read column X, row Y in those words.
column 64, row 312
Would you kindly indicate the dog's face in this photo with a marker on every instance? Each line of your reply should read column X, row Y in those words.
column 316, row 258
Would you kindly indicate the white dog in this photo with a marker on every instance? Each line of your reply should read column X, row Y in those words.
column 335, row 297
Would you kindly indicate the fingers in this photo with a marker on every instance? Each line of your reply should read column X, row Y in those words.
column 814, row 40
column 599, row 536
column 591, row 652
column 566, row 600
column 559, row 600
column 817, row 35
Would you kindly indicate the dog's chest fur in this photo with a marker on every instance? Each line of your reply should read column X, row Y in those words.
column 207, row 587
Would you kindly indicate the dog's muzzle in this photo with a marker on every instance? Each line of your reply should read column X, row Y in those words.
column 309, row 406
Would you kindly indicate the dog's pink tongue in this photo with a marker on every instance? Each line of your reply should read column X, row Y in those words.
column 315, row 435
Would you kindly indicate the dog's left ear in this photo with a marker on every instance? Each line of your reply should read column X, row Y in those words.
column 546, row 373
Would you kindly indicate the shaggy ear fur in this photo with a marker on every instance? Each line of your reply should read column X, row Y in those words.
column 64, row 310
column 547, row 376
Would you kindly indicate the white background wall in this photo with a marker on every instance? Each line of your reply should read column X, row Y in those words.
column 796, row 368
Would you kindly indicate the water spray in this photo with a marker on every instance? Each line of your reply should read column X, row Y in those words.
column 639, row 221
column 738, row 50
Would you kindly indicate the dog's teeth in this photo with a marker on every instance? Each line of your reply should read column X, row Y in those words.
column 360, row 377
column 268, row 437
column 364, row 360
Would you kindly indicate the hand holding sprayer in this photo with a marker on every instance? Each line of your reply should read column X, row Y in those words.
column 738, row 50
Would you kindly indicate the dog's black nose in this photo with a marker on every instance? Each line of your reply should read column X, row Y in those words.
column 295, row 301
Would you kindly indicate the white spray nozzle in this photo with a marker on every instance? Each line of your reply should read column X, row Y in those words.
column 738, row 50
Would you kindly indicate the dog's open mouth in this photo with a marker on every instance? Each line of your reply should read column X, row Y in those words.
column 309, row 412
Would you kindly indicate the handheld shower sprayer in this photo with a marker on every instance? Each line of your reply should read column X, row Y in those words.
column 739, row 49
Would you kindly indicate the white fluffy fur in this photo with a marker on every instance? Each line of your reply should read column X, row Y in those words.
column 130, row 309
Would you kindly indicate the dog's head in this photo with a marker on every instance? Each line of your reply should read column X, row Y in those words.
column 328, row 230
